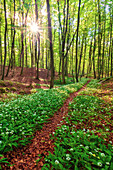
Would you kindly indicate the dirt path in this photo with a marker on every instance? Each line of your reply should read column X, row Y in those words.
column 25, row 158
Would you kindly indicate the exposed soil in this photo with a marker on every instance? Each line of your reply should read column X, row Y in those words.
column 25, row 158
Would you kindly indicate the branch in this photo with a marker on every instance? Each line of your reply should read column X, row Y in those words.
column 70, row 44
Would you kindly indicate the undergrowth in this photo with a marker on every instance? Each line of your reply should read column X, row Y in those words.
column 21, row 117
column 84, row 141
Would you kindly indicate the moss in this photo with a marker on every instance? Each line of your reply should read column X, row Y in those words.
column 2, row 83
column 13, row 89
column 3, row 90
column 33, row 91
column 7, row 88
column 10, row 83
column 22, row 92
column 31, row 86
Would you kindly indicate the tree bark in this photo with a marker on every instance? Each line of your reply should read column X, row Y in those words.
column 1, row 40
column 38, row 38
column 11, row 60
column 78, row 21
column 5, row 34
column 99, row 39
column 111, row 43
column 83, row 72
column 80, row 55
column 94, row 48
column 22, row 41
column 51, row 44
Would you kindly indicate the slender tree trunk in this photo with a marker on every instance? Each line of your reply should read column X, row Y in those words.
column 81, row 55
column 22, row 41
column 67, row 58
column 83, row 69
column 1, row 40
column 42, row 54
column 60, row 53
column 72, row 63
column 78, row 21
column 90, row 64
column 51, row 44
column 38, row 37
column 31, row 49
column 63, row 30
column 60, row 32
column 103, row 53
column 94, row 48
column 65, row 25
column 11, row 60
column 26, row 62
column 59, row 65
column 108, row 62
column 5, row 48
column 111, row 42
column 46, row 55
column 99, row 39
column 13, row 44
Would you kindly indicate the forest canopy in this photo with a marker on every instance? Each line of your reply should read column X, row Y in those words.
column 66, row 36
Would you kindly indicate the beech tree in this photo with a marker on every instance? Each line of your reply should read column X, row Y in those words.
column 5, row 50
column 76, row 38
column 51, row 44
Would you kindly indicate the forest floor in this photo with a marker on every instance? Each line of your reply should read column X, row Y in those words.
column 29, row 75
column 25, row 83
column 25, row 157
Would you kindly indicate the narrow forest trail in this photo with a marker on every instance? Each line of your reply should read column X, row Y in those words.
column 25, row 157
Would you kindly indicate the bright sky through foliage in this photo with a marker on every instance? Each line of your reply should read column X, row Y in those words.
column 34, row 27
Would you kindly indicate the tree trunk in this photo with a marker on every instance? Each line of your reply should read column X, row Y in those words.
column 72, row 63
column 38, row 37
column 103, row 53
column 78, row 21
column 81, row 55
column 51, row 44
column 99, row 39
column 90, row 64
column 22, row 41
column 26, row 41
column 1, row 41
column 111, row 43
column 11, row 60
column 5, row 48
column 84, row 59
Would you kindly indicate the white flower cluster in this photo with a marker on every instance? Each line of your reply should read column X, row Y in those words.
column 56, row 162
column 68, row 157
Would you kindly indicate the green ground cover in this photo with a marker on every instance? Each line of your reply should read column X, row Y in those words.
column 84, row 140
column 68, row 80
column 21, row 117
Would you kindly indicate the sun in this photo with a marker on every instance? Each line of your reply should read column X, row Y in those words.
column 34, row 27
